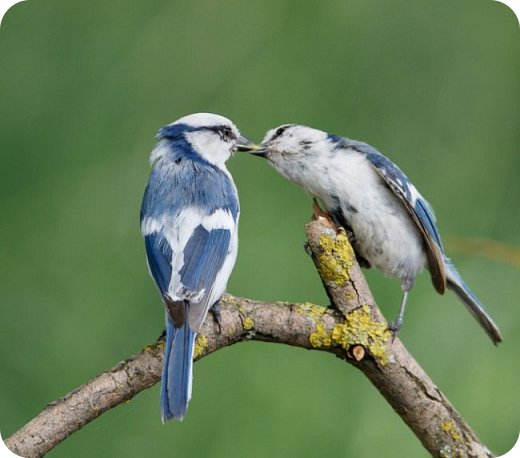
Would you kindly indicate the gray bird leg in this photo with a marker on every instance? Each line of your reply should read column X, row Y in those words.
column 396, row 325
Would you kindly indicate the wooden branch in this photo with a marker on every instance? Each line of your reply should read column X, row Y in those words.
column 241, row 319
column 386, row 362
column 355, row 330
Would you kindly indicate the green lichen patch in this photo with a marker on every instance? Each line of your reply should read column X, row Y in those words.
column 336, row 259
column 201, row 346
column 320, row 337
column 361, row 329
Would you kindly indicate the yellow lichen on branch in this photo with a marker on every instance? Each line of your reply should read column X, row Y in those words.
column 201, row 346
column 311, row 310
column 361, row 329
column 450, row 428
column 336, row 258
column 320, row 338
column 248, row 324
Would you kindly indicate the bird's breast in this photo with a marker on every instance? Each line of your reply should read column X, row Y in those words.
column 385, row 234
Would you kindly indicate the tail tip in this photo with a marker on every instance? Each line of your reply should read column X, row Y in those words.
column 167, row 416
column 496, row 337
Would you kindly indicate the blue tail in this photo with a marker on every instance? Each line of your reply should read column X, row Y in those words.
column 177, row 371
column 457, row 285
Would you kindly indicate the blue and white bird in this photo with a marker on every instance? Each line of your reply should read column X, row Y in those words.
column 393, row 226
column 189, row 220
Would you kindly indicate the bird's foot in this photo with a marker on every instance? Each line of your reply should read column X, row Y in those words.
column 395, row 326
column 215, row 310
column 350, row 236
column 362, row 261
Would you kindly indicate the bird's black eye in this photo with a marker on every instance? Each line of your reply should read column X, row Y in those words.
column 279, row 131
column 226, row 133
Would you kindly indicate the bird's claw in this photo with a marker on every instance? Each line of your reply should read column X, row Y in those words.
column 394, row 327
column 215, row 310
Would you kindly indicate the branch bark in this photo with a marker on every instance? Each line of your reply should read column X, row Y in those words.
column 353, row 329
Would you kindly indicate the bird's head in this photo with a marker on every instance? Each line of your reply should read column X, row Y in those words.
column 295, row 151
column 290, row 142
column 213, row 137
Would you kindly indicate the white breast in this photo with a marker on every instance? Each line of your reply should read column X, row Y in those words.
column 385, row 233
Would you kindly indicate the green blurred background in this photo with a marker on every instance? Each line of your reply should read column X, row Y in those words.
column 85, row 85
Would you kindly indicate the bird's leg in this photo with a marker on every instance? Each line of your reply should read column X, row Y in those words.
column 350, row 235
column 215, row 310
column 396, row 325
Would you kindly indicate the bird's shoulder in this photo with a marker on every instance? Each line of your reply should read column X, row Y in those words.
column 388, row 170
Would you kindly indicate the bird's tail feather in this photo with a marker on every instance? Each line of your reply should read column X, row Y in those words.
column 177, row 371
column 457, row 285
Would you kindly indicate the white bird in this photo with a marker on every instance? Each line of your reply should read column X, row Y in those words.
column 393, row 226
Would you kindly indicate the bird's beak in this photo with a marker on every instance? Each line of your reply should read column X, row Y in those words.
column 247, row 146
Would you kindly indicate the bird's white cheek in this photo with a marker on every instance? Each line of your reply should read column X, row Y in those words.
column 210, row 147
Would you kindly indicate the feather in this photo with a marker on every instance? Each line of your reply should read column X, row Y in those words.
column 457, row 285
column 177, row 371
column 417, row 207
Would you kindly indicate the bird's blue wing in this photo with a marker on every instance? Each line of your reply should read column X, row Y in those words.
column 417, row 206
column 427, row 218
column 159, row 255
column 204, row 256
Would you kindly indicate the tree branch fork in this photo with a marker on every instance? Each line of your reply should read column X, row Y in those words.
column 353, row 329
